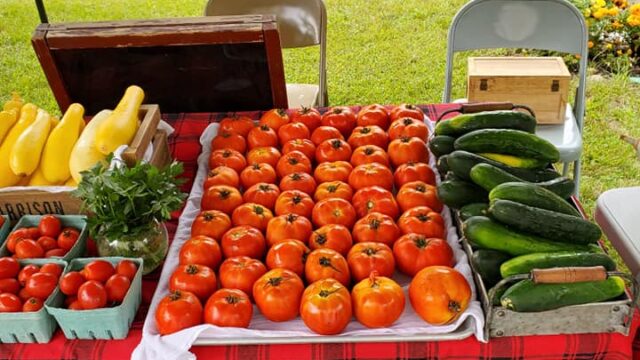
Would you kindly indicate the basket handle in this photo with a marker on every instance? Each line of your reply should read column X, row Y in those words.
column 568, row 275
column 470, row 108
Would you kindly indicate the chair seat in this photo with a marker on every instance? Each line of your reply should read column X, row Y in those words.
column 566, row 137
column 300, row 95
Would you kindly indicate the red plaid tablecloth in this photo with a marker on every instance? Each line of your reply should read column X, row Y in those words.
column 185, row 148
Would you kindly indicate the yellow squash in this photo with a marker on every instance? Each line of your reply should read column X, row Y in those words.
column 85, row 154
column 120, row 128
column 25, row 154
column 54, row 164
column 16, row 102
column 71, row 182
column 38, row 179
column 7, row 119
column 27, row 117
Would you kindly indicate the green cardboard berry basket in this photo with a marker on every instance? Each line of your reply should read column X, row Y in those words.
column 32, row 327
column 5, row 228
column 77, row 221
column 105, row 323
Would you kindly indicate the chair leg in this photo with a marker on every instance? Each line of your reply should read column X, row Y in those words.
column 565, row 168
column 576, row 178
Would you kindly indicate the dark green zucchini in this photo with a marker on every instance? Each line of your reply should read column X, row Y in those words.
column 510, row 142
column 500, row 119
column 461, row 163
column 525, row 263
column 450, row 175
column 532, row 195
column 487, row 263
column 443, row 165
column 458, row 193
column 441, row 145
column 489, row 176
column 474, row 209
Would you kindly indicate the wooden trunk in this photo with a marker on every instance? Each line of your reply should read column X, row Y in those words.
column 541, row 83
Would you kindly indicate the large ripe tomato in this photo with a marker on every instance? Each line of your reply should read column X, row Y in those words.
column 256, row 173
column 298, row 181
column 369, row 154
column 292, row 131
column 294, row 202
column 227, row 157
column 237, row 124
column 439, row 294
column 368, row 257
column 332, row 171
column 9, row 286
column 326, row 307
column 377, row 301
column 277, row 294
column 422, row 220
column 91, row 295
column 29, row 249
column 408, row 127
column 341, row 118
column 49, row 225
column 406, row 110
column 176, row 311
column 305, row 146
column 211, row 223
column 288, row 226
column 221, row 197
column 368, row 135
column 240, row 272
column 288, row 254
column 10, row 303
column 309, row 116
column 333, row 211
column 332, row 236
column 326, row 263
column 263, row 194
column 266, row 154
column 323, row 133
column 98, row 270
column 414, row 252
column 374, row 114
column 414, row 171
column 333, row 189
column 117, row 287
column 275, row 118
column 201, row 250
column 243, row 240
column 9, row 267
column 228, row 308
column 404, row 150
column 197, row 279
column 418, row 193
column 70, row 282
column 376, row 227
column 333, row 150
column 262, row 136
column 375, row 199
column 222, row 175
column 292, row 162
column 251, row 214
column 229, row 140
column 372, row 174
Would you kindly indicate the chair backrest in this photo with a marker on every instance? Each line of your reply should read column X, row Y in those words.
column 532, row 24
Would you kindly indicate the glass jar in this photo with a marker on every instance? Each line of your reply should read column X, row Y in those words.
column 151, row 246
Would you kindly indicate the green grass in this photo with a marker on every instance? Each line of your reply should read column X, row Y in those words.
column 384, row 51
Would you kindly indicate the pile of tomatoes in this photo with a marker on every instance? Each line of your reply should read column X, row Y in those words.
column 48, row 239
column 99, row 284
column 330, row 200
column 26, row 288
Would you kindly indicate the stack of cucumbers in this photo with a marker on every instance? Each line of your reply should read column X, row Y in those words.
column 514, row 207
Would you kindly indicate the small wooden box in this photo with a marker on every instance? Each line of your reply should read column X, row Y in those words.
column 541, row 83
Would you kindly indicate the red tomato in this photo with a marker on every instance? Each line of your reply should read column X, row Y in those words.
column 221, row 197
column 256, row 173
column 227, row 157
column 211, row 223
column 10, row 303
column 305, row 146
column 98, row 270
column 15, row 237
column 199, row 280
column 333, row 150
column 333, row 189
column 92, row 295
column 341, row 118
column 222, row 175
column 373, row 174
column 414, row 171
column 228, row 308
column 439, row 294
column 277, row 294
column 75, row 305
column 418, row 193
column 333, row 211
column 368, row 135
column 41, row 285
column 332, row 171
column 377, row 301
column 229, row 140
column 309, row 116
column 24, row 295
column 68, row 238
column 369, row 154
column 240, row 272
column 55, row 253
column 117, row 287
column 9, row 267
column 323, row 133
column 332, row 236
column 275, row 118
column 127, row 268
column 9, row 286
column 288, row 254
column 252, row 214
column 50, row 268
column 32, row 305
column 294, row 202
column 176, row 311
column 47, row 243
column 376, row 227
column 263, row 194
column 268, row 154
column 368, row 257
column 408, row 127
column 406, row 110
column 422, row 220
column 326, row 307
column 262, row 136
column 292, row 131
column 292, row 162
column 375, row 199
column 201, row 250
column 49, row 225
column 243, row 240
column 26, row 272
column 404, row 150
column 70, row 282
column 326, row 263
column 289, row 226
column 414, row 252
column 374, row 114
column 298, row 181
column 28, row 248
column 237, row 124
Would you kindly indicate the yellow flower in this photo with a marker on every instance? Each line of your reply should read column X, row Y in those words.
column 616, row 24
column 619, row 52
column 609, row 46
column 586, row 12
column 629, row 51
column 601, row 3
column 600, row 13
column 613, row 11
column 590, row 44
column 633, row 20
column 635, row 9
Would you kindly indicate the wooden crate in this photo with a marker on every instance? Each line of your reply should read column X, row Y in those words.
column 18, row 201
column 541, row 83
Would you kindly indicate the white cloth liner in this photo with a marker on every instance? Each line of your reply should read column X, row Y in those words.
column 176, row 346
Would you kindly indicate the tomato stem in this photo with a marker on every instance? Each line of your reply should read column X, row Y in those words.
column 321, row 239
column 454, row 306
column 326, row 262
column 374, row 224
column 421, row 242
column 232, row 299
column 191, row 269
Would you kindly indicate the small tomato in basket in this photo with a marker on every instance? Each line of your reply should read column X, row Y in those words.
column 49, row 225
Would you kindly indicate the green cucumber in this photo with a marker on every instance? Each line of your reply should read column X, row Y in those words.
column 458, row 193
column 525, row 263
column 461, row 163
column 474, row 209
column 510, row 142
column 516, row 161
column 443, row 165
column 487, row 263
column 450, row 175
column 441, row 145
column 532, row 195
column 500, row 119
column 489, row 176
column 545, row 223
column 488, row 234
column 526, row 296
